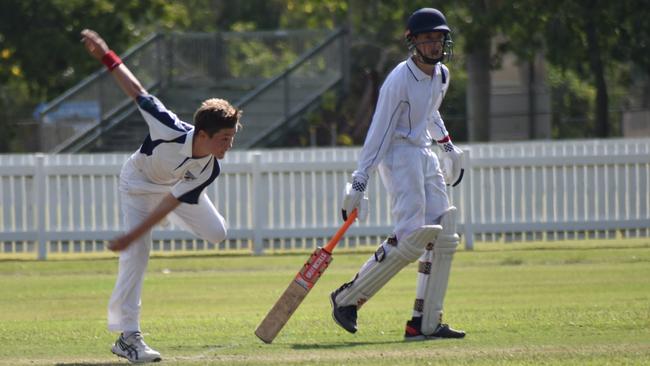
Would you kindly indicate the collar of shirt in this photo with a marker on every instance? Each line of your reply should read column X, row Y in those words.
column 186, row 150
column 418, row 73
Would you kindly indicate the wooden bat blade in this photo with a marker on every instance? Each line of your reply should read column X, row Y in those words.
column 293, row 295
column 300, row 286
column 281, row 312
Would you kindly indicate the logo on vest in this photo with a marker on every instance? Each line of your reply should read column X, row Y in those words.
column 188, row 176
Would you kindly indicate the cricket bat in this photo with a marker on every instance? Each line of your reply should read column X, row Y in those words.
column 300, row 286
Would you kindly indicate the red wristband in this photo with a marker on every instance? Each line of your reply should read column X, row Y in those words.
column 111, row 60
column 445, row 139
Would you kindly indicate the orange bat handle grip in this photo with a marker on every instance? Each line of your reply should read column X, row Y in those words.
column 335, row 239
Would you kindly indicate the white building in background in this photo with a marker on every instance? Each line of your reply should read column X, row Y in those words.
column 636, row 123
column 636, row 117
column 515, row 94
column 520, row 102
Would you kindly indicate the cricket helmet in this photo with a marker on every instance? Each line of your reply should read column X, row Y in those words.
column 428, row 20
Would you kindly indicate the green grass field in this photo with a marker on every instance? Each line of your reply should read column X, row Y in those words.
column 568, row 303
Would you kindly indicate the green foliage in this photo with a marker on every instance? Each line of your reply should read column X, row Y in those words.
column 43, row 59
column 321, row 14
column 572, row 102
column 13, row 96
column 259, row 59
column 573, row 99
column 563, row 303
column 592, row 38
column 54, row 36
column 453, row 106
column 40, row 53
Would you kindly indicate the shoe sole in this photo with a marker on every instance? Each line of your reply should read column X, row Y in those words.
column 333, row 303
column 126, row 358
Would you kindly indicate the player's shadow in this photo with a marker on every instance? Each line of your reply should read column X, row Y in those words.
column 92, row 364
column 312, row 346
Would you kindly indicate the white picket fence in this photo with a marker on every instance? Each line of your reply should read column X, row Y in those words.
column 289, row 199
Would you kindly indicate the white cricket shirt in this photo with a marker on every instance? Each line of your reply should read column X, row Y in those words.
column 407, row 111
column 164, row 162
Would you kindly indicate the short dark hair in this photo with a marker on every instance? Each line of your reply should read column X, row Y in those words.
column 215, row 114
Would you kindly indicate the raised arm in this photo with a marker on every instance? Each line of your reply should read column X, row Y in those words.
column 98, row 48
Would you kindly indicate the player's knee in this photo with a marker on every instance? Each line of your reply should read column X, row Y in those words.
column 412, row 247
column 448, row 240
column 216, row 234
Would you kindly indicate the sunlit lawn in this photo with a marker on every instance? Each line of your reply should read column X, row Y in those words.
column 572, row 303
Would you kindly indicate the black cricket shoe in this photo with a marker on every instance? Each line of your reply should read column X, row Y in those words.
column 445, row 331
column 413, row 332
column 344, row 316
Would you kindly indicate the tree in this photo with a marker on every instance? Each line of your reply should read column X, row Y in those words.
column 594, row 37
column 40, row 55
column 377, row 45
column 476, row 23
column 53, row 36
column 588, row 40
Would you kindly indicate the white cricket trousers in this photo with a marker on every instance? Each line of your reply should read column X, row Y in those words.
column 202, row 220
column 417, row 190
column 416, row 186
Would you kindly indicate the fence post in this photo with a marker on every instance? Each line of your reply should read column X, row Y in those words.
column 467, row 200
column 256, row 199
column 40, row 204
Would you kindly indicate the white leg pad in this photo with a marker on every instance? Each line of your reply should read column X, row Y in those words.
column 443, row 252
column 386, row 262
column 424, row 271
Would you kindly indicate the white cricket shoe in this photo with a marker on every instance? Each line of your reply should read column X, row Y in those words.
column 134, row 349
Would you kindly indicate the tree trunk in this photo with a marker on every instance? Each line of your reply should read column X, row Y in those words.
column 532, row 105
column 596, row 64
column 478, row 91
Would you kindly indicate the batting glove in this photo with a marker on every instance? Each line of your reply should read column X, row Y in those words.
column 355, row 196
column 451, row 162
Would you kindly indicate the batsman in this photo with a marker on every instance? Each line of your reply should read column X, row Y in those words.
column 404, row 130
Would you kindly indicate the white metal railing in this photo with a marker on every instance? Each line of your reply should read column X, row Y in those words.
column 198, row 59
column 289, row 199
